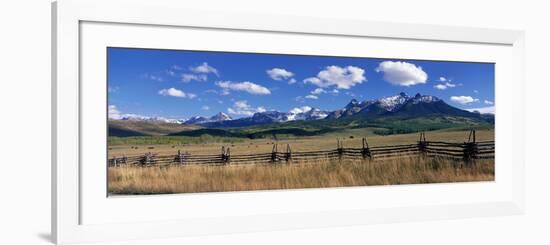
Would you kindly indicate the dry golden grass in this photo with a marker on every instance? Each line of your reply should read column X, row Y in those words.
column 313, row 143
column 190, row 179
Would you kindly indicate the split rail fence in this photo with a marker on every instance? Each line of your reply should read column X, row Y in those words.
column 468, row 152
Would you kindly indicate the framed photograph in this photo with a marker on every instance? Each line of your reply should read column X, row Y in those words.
column 171, row 125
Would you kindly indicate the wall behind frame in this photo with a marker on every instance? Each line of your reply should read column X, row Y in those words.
column 25, row 102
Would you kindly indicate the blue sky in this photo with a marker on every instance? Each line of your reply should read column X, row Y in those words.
column 181, row 84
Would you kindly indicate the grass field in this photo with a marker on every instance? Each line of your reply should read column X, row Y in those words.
column 128, row 180
column 190, row 179
column 212, row 145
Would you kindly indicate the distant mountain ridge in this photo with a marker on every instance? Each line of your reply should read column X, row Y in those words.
column 220, row 117
column 400, row 106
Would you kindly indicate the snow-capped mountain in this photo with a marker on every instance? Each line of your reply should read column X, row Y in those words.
column 401, row 105
column 220, row 117
column 152, row 119
column 305, row 113
column 393, row 102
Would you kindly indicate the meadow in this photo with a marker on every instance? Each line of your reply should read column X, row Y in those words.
column 132, row 146
column 131, row 179
column 190, row 179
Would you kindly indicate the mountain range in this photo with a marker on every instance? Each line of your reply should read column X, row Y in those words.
column 401, row 105
column 424, row 111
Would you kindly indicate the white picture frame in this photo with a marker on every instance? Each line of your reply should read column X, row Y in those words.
column 68, row 197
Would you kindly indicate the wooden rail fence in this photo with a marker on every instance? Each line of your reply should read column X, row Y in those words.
column 468, row 152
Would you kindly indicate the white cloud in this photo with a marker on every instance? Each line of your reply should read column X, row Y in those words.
column 249, row 87
column 204, row 68
column 316, row 81
column 279, row 74
column 440, row 86
column 483, row 110
column 463, row 99
column 114, row 113
column 242, row 107
column 205, row 107
column 475, row 91
column 442, row 79
column 402, row 73
column 176, row 93
column 312, row 97
column 341, row 77
column 154, row 77
column 318, row 91
column 193, row 77
column 488, row 102
column 443, row 86
column 292, row 81
column 302, row 109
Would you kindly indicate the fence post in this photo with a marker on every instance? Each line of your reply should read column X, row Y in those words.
column 224, row 155
column 365, row 151
column 470, row 148
column 340, row 147
column 180, row 158
column 274, row 153
column 288, row 154
column 147, row 159
column 228, row 156
column 422, row 144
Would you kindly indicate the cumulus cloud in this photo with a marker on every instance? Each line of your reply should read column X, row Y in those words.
column 442, row 79
column 312, row 97
column 248, row 87
column 114, row 113
column 318, row 91
column 204, row 68
column 292, row 81
column 242, row 107
column 176, row 93
column 488, row 102
column 193, row 77
column 463, row 99
column 279, row 74
column 440, row 86
column 446, row 85
column 483, row 110
column 302, row 109
column 341, row 77
column 402, row 73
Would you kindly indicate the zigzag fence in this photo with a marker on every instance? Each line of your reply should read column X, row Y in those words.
column 468, row 152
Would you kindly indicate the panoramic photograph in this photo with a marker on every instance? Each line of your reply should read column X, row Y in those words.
column 184, row 121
